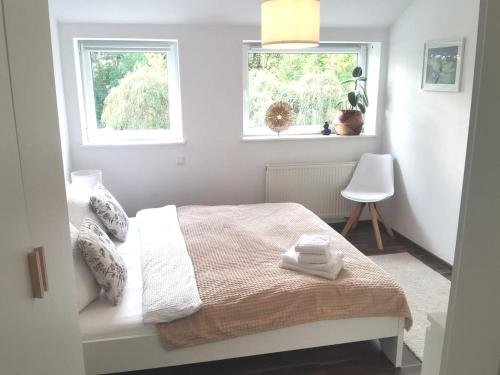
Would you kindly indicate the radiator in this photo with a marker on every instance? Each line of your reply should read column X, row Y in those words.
column 317, row 186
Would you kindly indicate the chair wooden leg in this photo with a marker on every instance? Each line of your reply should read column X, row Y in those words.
column 356, row 212
column 355, row 224
column 384, row 221
column 373, row 213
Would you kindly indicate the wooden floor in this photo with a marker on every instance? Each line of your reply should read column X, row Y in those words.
column 347, row 359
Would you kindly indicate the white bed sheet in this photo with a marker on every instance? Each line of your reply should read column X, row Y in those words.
column 100, row 320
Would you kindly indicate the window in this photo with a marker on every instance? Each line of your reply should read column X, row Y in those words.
column 130, row 91
column 309, row 80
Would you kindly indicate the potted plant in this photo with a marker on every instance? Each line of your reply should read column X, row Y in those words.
column 350, row 113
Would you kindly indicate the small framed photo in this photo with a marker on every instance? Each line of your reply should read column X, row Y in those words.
column 442, row 69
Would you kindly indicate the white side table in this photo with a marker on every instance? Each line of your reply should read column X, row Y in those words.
column 434, row 339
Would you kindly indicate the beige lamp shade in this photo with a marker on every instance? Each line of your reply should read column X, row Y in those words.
column 290, row 24
column 86, row 179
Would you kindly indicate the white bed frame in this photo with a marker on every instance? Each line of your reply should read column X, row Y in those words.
column 145, row 352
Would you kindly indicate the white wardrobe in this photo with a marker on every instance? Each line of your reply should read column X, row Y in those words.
column 37, row 336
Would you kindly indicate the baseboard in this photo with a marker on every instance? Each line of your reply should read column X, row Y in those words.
column 405, row 239
column 420, row 248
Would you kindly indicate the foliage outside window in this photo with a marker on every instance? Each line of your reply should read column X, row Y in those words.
column 130, row 91
column 309, row 80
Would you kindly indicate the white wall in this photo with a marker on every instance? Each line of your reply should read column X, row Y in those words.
column 220, row 168
column 61, row 105
column 427, row 131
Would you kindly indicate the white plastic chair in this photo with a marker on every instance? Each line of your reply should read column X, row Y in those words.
column 372, row 182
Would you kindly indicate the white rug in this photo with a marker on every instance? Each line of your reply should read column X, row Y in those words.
column 426, row 291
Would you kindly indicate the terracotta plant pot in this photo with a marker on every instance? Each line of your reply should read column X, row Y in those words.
column 348, row 122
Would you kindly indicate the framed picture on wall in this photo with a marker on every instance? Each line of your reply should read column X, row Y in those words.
column 442, row 70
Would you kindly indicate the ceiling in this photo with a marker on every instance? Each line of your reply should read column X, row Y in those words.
column 365, row 13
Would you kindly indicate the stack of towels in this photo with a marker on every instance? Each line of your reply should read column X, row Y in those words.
column 313, row 254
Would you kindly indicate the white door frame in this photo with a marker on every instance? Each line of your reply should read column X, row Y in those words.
column 472, row 338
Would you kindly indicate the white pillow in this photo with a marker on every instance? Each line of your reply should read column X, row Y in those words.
column 79, row 206
column 87, row 288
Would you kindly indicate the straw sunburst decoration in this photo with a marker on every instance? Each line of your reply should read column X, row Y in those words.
column 280, row 116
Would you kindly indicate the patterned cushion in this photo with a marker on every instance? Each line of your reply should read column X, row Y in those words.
column 110, row 212
column 103, row 260
column 87, row 289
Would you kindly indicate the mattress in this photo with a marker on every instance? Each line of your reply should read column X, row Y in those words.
column 235, row 251
column 267, row 296
column 100, row 320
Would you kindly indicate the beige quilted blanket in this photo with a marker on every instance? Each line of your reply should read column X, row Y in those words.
column 235, row 252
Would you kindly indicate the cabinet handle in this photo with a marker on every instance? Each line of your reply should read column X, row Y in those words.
column 38, row 272
column 41, row 254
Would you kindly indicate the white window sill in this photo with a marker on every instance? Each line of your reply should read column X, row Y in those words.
column 302, row 137
column 150, row 142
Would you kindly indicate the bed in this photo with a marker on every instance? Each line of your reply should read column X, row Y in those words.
column 115, row 339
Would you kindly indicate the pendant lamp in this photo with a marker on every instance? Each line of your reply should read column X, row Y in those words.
column 290, row 24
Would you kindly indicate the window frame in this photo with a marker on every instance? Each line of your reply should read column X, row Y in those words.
column 297, row 130
column 89, row 130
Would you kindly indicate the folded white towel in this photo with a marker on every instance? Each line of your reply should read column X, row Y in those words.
column 330, row 270
column 313, row 244
column 304, row 258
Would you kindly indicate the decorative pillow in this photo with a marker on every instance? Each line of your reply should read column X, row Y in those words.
column 110, row 212
column 87, row 289
column 79, row 206
column 103, row 260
